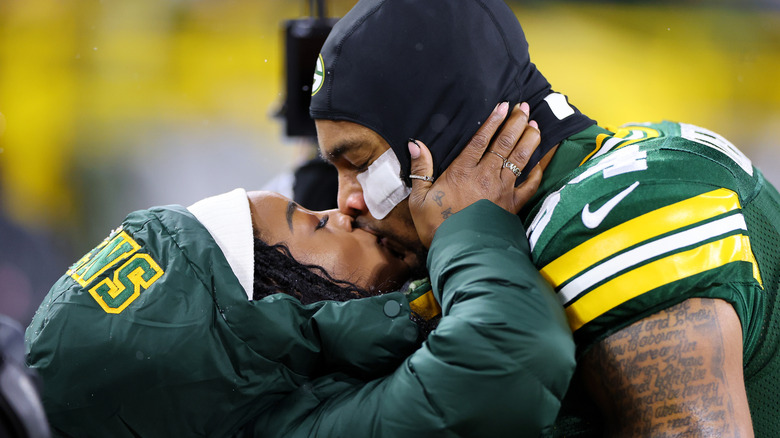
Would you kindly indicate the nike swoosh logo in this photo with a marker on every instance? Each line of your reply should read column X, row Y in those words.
column 592, row 219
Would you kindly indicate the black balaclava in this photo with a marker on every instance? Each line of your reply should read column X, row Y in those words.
column 433, row 70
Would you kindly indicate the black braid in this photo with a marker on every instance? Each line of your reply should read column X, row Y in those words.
column 276, row 270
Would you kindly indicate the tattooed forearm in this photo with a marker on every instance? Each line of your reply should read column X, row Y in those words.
column 664, row 375
column 447, row 213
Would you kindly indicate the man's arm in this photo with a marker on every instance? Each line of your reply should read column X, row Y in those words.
column 675, row 373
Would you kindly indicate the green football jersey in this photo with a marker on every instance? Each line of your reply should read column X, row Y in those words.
column 630, row 222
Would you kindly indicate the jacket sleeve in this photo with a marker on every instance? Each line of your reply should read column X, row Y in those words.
column 497, row 365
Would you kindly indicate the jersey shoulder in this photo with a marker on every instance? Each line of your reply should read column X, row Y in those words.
column 641, row 167
column 711, row 147
column 652, row 213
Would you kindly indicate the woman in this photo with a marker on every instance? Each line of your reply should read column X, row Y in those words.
column 174, row 325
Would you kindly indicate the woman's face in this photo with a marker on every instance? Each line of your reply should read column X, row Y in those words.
column 328, row 239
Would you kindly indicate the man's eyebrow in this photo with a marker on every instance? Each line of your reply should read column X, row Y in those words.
column 291, row 207
column 340, row 149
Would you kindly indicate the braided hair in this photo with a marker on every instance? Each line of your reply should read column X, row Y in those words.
column 276, row 270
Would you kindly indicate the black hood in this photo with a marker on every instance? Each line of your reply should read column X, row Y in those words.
column 432, row 70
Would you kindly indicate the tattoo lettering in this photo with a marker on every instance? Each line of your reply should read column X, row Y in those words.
column 447, row 213
column 654, row 379
column 437, row 197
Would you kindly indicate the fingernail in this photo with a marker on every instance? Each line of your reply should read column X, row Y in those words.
column 414, row 149
column 524, row 107
column 503, row 107
column 534, row 124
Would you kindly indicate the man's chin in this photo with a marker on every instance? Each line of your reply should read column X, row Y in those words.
column 414, row 255
column 416, row 262
column 415, row 270
column 413, row 251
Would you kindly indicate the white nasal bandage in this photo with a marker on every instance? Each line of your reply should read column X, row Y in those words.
column 382, row 186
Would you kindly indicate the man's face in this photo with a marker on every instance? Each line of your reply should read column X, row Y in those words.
column 352, row 148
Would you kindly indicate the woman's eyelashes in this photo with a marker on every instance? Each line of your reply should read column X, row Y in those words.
column 323, row 221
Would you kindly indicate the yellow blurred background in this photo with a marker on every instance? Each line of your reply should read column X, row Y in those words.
column 111, row 106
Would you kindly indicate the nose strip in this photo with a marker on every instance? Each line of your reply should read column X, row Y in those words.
column 382, row 186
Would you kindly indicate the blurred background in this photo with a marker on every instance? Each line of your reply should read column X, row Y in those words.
column 112, row 106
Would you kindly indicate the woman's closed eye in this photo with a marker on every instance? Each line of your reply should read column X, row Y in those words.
column 323, row 221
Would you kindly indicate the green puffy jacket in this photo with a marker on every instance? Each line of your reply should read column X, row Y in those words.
column 151, row 334
column 178, row 350
column 497, row 365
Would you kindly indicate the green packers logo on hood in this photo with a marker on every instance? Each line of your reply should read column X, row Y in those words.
column 319, row 76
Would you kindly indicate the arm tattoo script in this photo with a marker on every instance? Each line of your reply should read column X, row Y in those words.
column 657, row 378
column 446, row 213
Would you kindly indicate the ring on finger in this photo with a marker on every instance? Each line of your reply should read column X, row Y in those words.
column 421, row 177
column 499, row 156
column 511, row 166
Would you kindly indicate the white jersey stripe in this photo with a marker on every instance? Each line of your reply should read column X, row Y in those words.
column 648, row 251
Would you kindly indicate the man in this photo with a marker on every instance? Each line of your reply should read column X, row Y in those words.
column 661, row 240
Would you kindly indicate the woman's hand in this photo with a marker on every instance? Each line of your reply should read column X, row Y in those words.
column 477, row 173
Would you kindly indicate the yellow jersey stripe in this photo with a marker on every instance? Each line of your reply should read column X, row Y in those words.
column 599, row 143
column 637, row 230
column 651, row 250
column 658, row 273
